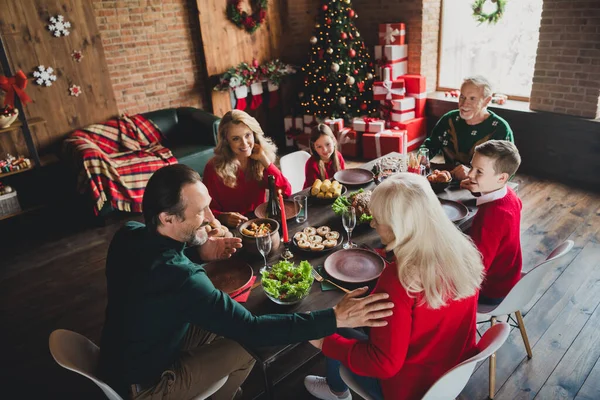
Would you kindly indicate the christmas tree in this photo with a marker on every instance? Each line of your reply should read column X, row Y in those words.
column 338, row 78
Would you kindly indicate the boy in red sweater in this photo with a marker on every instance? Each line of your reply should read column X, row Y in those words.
column 496, row 228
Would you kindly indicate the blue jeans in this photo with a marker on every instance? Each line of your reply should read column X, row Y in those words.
column 334, row 380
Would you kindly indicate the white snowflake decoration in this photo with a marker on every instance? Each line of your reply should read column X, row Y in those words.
column 75, row 90
column 59, row 26
column 44, row 76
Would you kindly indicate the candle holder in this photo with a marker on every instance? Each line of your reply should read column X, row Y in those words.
column 287, row 253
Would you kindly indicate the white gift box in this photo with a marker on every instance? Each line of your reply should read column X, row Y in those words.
column 371, row 125
column 392, row 52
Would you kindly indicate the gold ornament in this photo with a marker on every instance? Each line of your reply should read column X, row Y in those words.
column 369, row 76
column 335, row 67
column 357, row 34
column 326, row 90
column 347, row 1
column 313, row 40
column 342, row 100
column 330, row 51
column 317, row 25
column 350, row 80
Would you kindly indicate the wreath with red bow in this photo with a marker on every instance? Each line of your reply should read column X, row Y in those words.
column 242, row 19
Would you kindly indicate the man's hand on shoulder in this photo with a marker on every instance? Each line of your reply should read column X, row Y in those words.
column 218, row 248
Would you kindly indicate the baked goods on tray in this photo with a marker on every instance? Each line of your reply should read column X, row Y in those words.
column 316, row 239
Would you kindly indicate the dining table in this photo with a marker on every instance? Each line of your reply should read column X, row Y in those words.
column 320, row 214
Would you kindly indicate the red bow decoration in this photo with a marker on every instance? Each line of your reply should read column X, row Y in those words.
column 361, row 86
column 367, row 121
column 12, row 85
column 382, row 61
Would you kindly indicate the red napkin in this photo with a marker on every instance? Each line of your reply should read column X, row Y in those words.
column 241, row 296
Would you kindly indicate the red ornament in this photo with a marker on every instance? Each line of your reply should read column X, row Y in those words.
column 328, row 21
column 324, row 7
column 351, row 37
column 352, row 53
column 363, row 106
column 351, row 13
column 355, row 72
column 343, row 35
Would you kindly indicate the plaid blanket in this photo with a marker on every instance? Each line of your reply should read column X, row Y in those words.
column 119, row 156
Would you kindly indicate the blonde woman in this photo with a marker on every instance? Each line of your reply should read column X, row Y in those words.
column 433, row 284
column 236, row 177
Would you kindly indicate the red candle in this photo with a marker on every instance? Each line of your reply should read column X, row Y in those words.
column 283, row 220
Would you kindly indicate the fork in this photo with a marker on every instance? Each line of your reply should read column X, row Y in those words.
column 319, row 278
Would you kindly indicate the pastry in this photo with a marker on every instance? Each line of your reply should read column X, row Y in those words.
column 329, row 243
column 316, row 247
column 316, row 187
column 303, row 244
column 315, row 239
column 333, row 235
column 323, row 230
column 300, row 236
column 309, row 230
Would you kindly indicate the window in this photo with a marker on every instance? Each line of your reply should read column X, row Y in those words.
column 504, row 53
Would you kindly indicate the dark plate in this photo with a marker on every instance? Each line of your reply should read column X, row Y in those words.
column 454, row 210
column 230, row 275
column 316, row 200
column 290, row 210
column 339, row 242
column 353, row 176
column 354, row 265
column 439, row 187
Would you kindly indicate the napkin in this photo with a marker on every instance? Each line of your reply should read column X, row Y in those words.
column 241, row 296
column 325, row 286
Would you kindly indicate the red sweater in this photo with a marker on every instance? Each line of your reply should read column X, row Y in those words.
column 248, row 193
column 311, row 170
column 496, row 231
column 417, row 346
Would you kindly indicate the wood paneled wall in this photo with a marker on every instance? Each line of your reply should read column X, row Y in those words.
column 29, row 43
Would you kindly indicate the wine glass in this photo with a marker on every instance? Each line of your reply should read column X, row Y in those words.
column 349, row 221
column 263, row 243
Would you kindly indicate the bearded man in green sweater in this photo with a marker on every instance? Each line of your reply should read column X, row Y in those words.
column 458, row 132
column 169, row 333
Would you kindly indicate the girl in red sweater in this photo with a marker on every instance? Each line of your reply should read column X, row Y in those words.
column 433, row 285
column 326, row 160
column 236, row 177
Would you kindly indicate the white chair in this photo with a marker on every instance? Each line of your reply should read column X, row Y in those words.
column 292, row 167
column 449, row 385
column 77, row 353
column 517, row 299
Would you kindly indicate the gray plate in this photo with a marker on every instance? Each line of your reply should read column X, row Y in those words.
column 454, row 210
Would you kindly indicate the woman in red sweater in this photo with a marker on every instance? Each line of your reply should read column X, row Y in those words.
column 326, row 160
column 433, row 285
column 236, row 177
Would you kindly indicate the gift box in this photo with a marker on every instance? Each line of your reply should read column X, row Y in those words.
column 401, row 116
column 388, row 89
column 293, row 126
column 397, row 69
column 405, row 104
column 303, row 141
column 309, row 122
column 420, row 100
column 392, row 33
column 349, row 142
column 416, row 130
column 416, row 87
column 381, row 143
column 336, row 124
column 391, row 54
column 368, row 124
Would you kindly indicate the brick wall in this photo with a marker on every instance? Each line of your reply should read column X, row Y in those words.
column 567, row 70
column 153, row 51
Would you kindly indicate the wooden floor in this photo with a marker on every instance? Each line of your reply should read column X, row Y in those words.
column 52, row 276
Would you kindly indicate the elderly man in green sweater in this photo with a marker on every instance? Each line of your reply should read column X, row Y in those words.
column 169, row 333
column 458, row 132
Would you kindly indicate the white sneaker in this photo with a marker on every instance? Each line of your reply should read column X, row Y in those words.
column 318, row 387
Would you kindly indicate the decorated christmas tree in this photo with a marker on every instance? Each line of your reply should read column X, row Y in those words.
column 338, row 77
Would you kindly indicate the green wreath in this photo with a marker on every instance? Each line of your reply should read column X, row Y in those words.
column 492, row 18
column 242, row 19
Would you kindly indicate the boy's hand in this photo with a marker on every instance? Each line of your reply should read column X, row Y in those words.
column 460, row 172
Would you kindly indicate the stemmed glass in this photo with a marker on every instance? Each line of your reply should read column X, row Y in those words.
column 349, row 221
column 263, row 243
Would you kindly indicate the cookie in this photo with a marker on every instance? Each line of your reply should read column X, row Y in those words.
column 323, row 230
column 303, row 244
column 329, row 243
column 332, row 235
column 310, row 230
column 317, row 247
column 300, row 236
column 315, row 239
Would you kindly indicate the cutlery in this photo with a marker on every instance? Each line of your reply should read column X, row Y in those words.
column 319, row 278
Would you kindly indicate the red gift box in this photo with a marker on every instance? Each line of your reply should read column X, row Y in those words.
column 401, row 116
column 392, row 33
column 349, row 142
column 397, row 69
column 336, row 124
column 388, row 89
column 303, row 141
column 420, row 100
column 381, row 143
column 416, row 131
column 293, row 126
column 415, row 84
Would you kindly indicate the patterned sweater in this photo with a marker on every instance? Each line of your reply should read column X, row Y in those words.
column 457, row 140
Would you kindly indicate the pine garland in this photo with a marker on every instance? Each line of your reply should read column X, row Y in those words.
column 491, row 18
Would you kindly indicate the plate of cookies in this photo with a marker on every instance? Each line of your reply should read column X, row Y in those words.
column 325, row 192
column 315, row 240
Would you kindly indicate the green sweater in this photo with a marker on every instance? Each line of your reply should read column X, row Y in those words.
column 155, row 292
column 457, row 140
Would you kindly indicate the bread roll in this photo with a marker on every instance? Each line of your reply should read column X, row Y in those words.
column 309, row 230
column 329, row 195
column 325, row 186
column 332, row 189
column 316, row 187
column 336, row 184
column 323, row 230
column 338, row 192
column 321, row 195
column 329, row 243
column 315, row 239
column 317, row 247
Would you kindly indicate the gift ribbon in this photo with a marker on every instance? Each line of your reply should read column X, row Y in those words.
column 389, row 36
column 378, row 141
column 15, row 84
column 367, row 121
column 344, row 139
column 390, row 91
column 418, row 96
column 336, row 124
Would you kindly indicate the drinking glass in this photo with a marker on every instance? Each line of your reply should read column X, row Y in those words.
column 423, row 156
column 349, row 221
column 263, row 243
column 300, row 202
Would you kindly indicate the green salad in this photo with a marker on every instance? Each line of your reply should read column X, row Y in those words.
column 286, row 282
column 341, row 204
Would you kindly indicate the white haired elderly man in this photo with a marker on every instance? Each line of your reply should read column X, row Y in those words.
column 458, row 132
